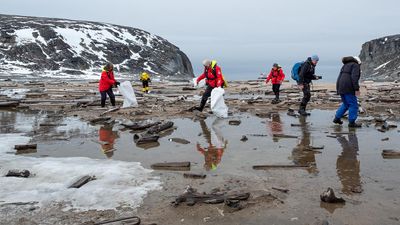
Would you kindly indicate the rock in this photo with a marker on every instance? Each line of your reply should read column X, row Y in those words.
column 48, row 44
column 244, row 138
column 380, row 59
column 329, row 197
column 18, row 173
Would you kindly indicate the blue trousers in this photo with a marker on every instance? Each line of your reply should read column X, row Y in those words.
column 349, row 102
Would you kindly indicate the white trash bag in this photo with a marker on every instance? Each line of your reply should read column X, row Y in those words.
column 201, row 84
column 218, row 105
column 125, row 88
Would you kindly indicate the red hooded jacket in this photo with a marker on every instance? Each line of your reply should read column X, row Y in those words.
column 276, row 76
column 211, row 79
column 107, row 80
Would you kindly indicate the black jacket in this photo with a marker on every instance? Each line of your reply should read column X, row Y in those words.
column 307, row 72
column 347, row 82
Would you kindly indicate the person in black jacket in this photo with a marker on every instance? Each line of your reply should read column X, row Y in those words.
column 306, row 76
column 348, row 88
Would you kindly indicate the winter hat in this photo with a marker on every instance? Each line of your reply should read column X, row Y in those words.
column 358, row 59
column 315, row 58
column 206, row 62
column 275, row 65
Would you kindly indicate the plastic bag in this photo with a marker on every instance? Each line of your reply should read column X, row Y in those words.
column 218, row 105
column 125, row 88
column 201, row 84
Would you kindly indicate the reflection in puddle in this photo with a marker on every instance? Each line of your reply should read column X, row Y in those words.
column 275, row 125
column 303, row 154
column 216, row 144
column 107, row 139
column 347, row 165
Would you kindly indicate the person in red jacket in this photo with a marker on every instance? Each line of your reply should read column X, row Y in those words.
column 107, row 82
column 276, row 76
column 213, row 75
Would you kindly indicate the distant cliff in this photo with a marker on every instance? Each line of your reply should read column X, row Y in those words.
column 381, row 59
column 38, row 46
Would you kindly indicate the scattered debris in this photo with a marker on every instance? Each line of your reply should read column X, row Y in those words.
column 139, row 125
column 194, row 176
column 179, row 140
column 82, row 181
column 18, row 173
column 140, row 139
column 175, row 166
column 160, row 127
column 110, row 110
column 329, row 197
column 385, row 139
column 100, row 119
column 391, row 154
column 191, row 197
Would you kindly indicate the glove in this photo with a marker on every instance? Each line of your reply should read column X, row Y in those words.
column 117, row 83
column 195, row 84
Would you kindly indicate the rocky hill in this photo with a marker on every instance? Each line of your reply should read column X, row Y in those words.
column 381, row 59
column 46, row 46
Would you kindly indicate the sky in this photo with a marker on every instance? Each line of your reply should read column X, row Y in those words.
column 245, row 37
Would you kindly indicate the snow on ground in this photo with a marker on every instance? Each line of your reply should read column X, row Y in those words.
column 24, row 35
column 383, row 65
column 14, row 93
column 118, row 183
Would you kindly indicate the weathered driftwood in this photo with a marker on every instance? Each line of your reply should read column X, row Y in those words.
column 189, row 89
column 191, row 197
column 131, row 220
column 100, row 119
column 179, row 140
column 9, row 104
column 391, row 154
column 194, row 176
column 160, row 127
column 281, row 189
column 82, row 181
column 25, row 147
column 234, row 122
column 284, row 136
column 328, row 196
column 176, row 166
column 266, row 167
column 140, row 139
column 110, row 110
column 18, row 173
column 341, row 133
column 140, row 125
column 52, row 124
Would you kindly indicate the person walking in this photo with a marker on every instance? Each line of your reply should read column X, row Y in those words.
column 145, row 78
column 306, row 76
column 107, row 82
column 214, row 79
column 276, row 76
column 348, row 88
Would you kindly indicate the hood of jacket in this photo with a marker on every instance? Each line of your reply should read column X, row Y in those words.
column 350, row 59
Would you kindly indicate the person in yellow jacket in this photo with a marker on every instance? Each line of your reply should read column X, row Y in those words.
column 145, row 78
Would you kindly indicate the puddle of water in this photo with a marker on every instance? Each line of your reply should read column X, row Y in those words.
column 350, row 162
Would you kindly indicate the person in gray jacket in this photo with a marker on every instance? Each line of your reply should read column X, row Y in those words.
column 348, row 88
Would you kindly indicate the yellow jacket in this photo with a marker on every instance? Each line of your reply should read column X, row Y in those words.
column 144, row 76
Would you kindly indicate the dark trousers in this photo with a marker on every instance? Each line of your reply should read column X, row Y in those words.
column 306, row 96
column 205, row 97
column 104, row 94
column 275, row 89
column 145, row 84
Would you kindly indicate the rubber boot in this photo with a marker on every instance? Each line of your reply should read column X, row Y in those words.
column 338, row 121
column 112, row 101
column 302, row 111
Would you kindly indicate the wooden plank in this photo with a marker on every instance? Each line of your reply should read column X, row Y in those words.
column 25, row 147
column 284, row 136
column 82, row 181
column 266, row 167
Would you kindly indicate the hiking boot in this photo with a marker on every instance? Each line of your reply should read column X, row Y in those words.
column 303, row 113
column 338, row 121
column 355, row 125
column 274, row 101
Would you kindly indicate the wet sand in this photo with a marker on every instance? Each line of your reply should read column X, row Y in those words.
column 348, row 163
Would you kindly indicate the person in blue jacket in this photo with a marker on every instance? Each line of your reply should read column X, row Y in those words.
column 348, row 88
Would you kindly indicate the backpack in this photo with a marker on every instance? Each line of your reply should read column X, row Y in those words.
column 296, row 70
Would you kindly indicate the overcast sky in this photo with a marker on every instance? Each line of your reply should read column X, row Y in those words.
column 246, row 37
